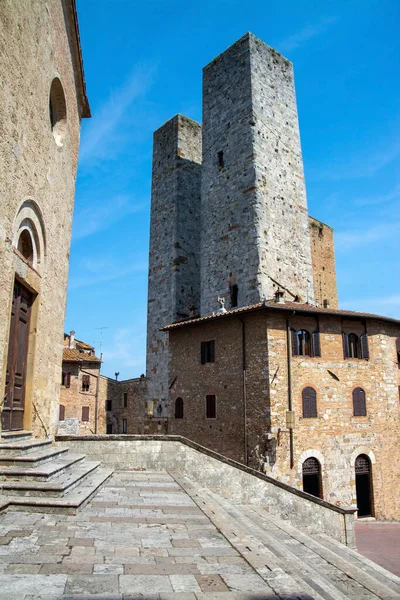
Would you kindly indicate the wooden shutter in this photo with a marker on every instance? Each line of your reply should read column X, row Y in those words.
column 309, row 399
column 346, row 350
column 316, row 344
column 359, row 404
column 203, row 353
column 85, row 413
column 62, row 413
column 364, row 346
column 68, row 380
column 295, row 343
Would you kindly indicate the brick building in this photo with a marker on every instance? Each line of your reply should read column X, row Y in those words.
column 309, row 395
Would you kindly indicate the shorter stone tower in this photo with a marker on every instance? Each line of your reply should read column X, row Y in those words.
column 174, row 266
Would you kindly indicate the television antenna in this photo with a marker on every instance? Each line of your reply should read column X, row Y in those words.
column 101, row 336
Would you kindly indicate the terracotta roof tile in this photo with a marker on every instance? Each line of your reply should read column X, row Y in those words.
column 73, row 355
column 287, row 306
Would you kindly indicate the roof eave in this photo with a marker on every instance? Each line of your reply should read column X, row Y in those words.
column 71, row 16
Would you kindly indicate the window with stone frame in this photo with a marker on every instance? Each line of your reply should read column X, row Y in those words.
column 355, row 346
column 124, row 426
column 359, row 403
column 66, row 379
column 61, row 416
column 108, row 405
column 304, row 343
column 207, row 352
column 125, row 400
column 85, row 413
column 85, row 383
column 179, row 408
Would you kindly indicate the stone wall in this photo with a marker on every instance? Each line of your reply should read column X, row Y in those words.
column 254, row 210
column 239, row 484
column 335, row 437
column 323, row 261
column 37, row 189
column 174, row 278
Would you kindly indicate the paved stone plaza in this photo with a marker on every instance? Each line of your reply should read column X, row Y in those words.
column 145, row 536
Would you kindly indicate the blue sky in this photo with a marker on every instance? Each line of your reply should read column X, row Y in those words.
column 143, row 64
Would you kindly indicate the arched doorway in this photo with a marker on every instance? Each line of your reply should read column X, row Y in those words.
column 312, row 483
column 363, row 485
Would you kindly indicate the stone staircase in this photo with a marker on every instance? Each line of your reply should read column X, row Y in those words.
column 38, row 477
column 294, row 563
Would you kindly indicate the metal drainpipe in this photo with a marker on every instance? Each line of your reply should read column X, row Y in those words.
column 289, row 379
column 244, row 389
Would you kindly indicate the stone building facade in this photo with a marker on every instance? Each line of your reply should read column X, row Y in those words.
column 229, row 211
column 318, row 411
column 83, row 400
column 42, row 102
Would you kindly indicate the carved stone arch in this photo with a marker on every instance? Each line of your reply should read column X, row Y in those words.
column 29, row 218
column 361, row 450
column 312, row 453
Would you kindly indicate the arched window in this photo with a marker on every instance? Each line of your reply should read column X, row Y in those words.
column 359, row 403
column 312, row 483
column 58, row 111
column 305, row 344
column 354, row 346
column 179, row 408
column 25, row 245
column 363, row 485
column 309, row 401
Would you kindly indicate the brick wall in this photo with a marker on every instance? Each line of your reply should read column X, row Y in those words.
column 323, row 261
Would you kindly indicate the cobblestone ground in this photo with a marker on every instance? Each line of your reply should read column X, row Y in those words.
column 380, row 542
column 141, row 537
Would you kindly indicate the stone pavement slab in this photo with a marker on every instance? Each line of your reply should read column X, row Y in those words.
column 380, row 542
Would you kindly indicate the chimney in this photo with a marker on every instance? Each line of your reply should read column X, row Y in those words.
column 279, row 297
column 72, row 339
column 326, row 304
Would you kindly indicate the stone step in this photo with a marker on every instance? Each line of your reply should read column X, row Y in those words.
column 69, row 504
column 43, row 472
column 20, row 447
column 56, row 487
column 286, row 557
column 33, row 459
column 14, row 436
column 378, row 581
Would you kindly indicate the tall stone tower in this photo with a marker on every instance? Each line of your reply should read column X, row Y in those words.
column 174, row 267
column 255, row 233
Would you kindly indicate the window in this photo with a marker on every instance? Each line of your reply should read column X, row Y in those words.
column 304, row 344
column 66, row 379
column 61, row 416
column 309, row 401
column 85, row 383
column 58, row 111
column 108, row 405
column 359, row 403
column 125, row 400
column 354, row 346
column 220, row 160
column 85, row 413
column 124, row 426
column 179, row 408
column 109, row 428
column 207, row 352
column 312, row 483
column 234, row 295
column 25, row 246
column 211, row 409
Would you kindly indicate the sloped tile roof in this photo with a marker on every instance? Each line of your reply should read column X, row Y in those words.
column 73, row 355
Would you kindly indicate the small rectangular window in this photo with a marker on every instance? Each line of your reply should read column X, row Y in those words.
column 85, row 413
column 125, row 400
column 207, row 352
column 109, row 428
column 85, row 383
column 124, row 426
column 108, row 405
column 62, row 413
column 220, row 160
column 67, row 381
column 211, row 409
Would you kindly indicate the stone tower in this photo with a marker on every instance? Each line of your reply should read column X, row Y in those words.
column 174, row 266
column 255, row 232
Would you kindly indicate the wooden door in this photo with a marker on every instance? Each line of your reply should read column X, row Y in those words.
column 13, row 409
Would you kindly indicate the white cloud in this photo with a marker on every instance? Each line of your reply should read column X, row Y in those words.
column 98, row 138
column 308, row 32
column 102, row 215
column 361, row 236
column 125, row 352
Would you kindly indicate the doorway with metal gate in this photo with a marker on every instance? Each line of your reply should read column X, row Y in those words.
column 312, row 483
